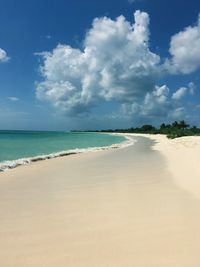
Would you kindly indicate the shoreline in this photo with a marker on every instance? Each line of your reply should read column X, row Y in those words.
column 111, row 208
column 11, row 164
column 182, row 159
column 181, row 155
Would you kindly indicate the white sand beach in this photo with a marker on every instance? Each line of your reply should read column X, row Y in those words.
column 134, row 206
column 182, row 156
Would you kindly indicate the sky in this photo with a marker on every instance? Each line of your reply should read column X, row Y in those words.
column 67, row 65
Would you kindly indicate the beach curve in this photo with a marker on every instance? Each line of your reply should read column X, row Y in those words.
column 111, row 208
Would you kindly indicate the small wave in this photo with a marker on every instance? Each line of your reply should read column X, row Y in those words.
column 6, row 165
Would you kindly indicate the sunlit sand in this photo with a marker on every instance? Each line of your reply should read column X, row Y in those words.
column 134, row 206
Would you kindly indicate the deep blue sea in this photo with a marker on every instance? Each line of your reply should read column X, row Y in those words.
column 15, row 145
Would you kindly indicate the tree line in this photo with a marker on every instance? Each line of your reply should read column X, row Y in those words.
column 173, row 130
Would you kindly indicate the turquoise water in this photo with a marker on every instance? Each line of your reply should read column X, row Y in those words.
column 25, row 144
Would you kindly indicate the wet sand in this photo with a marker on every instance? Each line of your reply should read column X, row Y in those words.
column 121, row 207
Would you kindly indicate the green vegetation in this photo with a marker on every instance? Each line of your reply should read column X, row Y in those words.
column 173, row 130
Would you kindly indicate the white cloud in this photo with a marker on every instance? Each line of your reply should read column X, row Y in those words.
column 185, row 50
column 13, row 98
column 157, row 106
column 154, row 104
column 183, row 91
column 180, row 93
column 3, row 55
column 115, row 64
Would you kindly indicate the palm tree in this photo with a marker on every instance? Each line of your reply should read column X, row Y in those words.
column 162, row 126
column 175, row 124
column 183, row 124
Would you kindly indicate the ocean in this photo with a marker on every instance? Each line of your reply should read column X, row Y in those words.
column 22, row 147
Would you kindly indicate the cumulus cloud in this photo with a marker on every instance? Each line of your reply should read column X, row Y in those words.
column 3, row 55
column 185, row 50
column 115, row 64
column 181, row 92
column 155, row 104
column 158, row 105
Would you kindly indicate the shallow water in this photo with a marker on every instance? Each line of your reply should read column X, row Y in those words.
column 16, row 145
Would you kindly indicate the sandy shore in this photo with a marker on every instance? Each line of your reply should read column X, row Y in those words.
column 136, row 206
column 183, row 157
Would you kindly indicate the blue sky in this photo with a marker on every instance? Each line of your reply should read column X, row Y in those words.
column 58, row 71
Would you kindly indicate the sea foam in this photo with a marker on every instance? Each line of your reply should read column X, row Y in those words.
column 6, row 165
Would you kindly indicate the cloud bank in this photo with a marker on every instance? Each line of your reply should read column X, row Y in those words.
column 116, row 64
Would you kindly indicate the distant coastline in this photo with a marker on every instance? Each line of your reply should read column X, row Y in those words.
column 173, row 130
